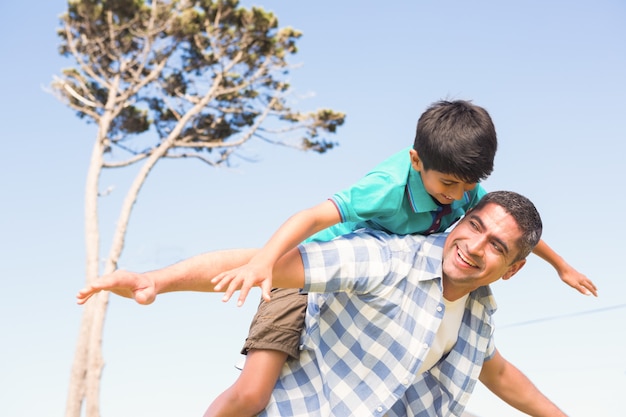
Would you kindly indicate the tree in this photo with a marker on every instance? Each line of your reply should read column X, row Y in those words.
column 169, row 79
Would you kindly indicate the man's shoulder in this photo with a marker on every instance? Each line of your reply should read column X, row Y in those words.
column 432, row 240
column 430, row 246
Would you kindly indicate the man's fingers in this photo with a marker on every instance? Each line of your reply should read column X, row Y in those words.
column 85, row 294
column 81, row 298
column 144, row 296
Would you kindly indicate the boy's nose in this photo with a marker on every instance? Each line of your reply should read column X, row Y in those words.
column 469, row 187
column 458, row 191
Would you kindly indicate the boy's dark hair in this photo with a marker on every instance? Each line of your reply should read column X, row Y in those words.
column 457, row 138
column 525, row 214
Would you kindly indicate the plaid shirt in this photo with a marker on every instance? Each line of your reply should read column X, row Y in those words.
column 375, row 304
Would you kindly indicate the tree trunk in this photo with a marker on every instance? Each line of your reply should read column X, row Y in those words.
column 84, row 364
column 88, row 360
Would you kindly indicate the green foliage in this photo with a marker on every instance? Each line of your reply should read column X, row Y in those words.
column 198, row 73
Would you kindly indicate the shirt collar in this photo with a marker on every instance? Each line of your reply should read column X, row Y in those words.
column 484, row 296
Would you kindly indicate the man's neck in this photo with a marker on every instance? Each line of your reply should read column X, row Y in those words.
column 451, row 293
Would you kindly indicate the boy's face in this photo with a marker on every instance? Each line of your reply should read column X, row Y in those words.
column 444, row 188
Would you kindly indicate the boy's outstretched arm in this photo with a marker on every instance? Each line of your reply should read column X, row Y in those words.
column 297, row 228
column 514, row 388
column 566, row 272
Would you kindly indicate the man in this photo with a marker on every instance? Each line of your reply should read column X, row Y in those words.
column 395, row 325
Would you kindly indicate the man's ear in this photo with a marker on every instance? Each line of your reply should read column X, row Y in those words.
column 416, row 162
column 513, row 269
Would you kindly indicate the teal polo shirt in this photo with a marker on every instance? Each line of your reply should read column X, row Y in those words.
column 392, row 198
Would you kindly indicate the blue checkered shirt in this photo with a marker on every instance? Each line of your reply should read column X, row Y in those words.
column 375, row 304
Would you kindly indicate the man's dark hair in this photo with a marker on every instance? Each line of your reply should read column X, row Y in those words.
column 457, row 138
column 525, row 214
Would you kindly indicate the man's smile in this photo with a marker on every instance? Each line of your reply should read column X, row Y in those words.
column 465, row 259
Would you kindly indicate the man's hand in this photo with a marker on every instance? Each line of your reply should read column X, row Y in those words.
column 243, row 279
column 123, row 283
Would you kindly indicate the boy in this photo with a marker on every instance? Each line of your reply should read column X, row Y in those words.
column 422, row 190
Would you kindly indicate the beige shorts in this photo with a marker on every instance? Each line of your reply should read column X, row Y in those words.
column 277, row 324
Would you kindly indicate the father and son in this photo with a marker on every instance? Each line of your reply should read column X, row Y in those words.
column 372, row 304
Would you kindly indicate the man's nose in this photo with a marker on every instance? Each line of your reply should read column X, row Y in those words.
column 476, row 245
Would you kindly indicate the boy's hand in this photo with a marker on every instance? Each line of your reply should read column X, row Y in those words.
column 578, row 281
column 123, row 283
column 243, row 279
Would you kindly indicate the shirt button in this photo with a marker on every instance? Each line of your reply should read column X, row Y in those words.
column 425, row 345
column 379, row 409
column 439, row 309
column 405, row 382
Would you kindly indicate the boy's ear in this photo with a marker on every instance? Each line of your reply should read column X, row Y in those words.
column 416, row 162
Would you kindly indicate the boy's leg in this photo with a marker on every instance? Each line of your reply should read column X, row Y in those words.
column 273, row 337
column 251, row 391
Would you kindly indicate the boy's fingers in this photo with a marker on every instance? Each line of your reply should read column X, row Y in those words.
column 218, row 278
column 266, row 288
column 587, row 289
column 243, row 294
column 232, row 287
column 227, row 294
column 591, row 289
column 222, row 280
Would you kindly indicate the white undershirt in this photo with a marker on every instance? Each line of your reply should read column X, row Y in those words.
column 447, row 334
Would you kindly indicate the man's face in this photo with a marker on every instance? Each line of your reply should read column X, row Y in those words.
column 480, row 250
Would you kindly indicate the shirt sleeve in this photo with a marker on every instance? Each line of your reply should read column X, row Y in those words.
column 377, row 194
column 491, row 349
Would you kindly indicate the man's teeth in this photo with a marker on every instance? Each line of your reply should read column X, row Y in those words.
column 470, row 263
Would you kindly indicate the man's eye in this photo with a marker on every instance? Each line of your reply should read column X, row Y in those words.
column 497, row 247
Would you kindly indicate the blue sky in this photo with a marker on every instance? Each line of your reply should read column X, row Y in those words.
column 550, row 73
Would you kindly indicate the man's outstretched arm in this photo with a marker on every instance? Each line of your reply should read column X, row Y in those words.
column 513, row 387
column 194, row 274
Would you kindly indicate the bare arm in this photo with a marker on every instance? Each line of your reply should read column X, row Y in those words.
column 259, row 269
column 567, row 273
column 193, row 274
column 513, row 387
